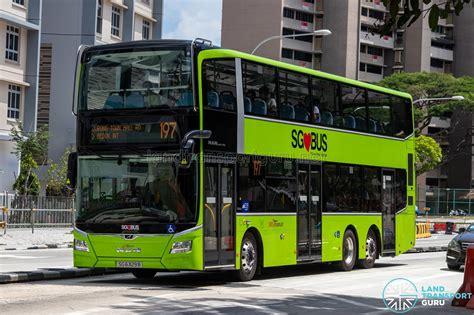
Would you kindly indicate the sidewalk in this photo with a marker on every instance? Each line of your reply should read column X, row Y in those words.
column 435, row 243
column 17, row 239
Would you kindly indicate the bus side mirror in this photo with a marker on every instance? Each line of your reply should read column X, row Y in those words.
column 72, row 170
column 187, row 145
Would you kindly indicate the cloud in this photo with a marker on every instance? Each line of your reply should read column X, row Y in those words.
column 188, row 19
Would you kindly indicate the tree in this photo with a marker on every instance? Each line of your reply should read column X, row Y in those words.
column 431, row 85
column 57, row 177
column 427, row 154
column 34, row 143
column 30, row 147
column 27, row 183
column 403, row 13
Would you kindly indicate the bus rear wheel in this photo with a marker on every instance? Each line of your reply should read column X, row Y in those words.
column 349, row 251
column 371, row 251
column 144, row 273
column 248, row 258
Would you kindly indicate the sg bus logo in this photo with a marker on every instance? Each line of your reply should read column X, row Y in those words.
column 309, row 140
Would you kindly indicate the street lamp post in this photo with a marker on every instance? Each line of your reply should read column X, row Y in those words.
column 440, row 99
column 323, row 32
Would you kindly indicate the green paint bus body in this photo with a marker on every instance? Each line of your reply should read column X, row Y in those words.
column 279, row 241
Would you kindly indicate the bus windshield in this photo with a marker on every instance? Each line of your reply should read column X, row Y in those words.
column 136, row 191
column 136, row 80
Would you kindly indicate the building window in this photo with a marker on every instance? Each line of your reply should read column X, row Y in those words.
column 437, row 63
column 14, row 92
column 303, row 56
column 99, row 17
column 288, row 13
column 13, row 40
column 287, row 53
column 146, row 29
column 115, row 21
column 374, row 69
column 19, row 2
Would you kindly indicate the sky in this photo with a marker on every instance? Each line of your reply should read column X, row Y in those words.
column 188, row 19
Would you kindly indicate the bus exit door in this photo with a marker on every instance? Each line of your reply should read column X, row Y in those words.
column 219, row 208
column 309, row 212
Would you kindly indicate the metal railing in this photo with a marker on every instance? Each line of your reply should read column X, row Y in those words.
column 445, row 201
column 36, row 211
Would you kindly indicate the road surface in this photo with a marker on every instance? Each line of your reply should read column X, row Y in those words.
column 303, row 289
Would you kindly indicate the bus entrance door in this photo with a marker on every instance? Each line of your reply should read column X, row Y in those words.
column 309, row 212
column 219, row 207
column 388, row 212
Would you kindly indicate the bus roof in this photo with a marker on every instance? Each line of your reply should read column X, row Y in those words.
column 221, row 52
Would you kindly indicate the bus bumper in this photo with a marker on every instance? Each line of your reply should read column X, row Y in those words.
column 142, row 251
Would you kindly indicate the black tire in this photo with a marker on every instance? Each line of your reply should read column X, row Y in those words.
column 144, row 273
column 248, row 258
column 349, row 252
column 371, row 251
column 453, row 267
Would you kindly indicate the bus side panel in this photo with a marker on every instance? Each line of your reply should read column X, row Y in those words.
column 405, row 227
column 278, row 235
column 334, row 226
column 192, row 260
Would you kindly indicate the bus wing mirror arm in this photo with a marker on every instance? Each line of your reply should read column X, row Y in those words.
column 187, row 145
column 72, row 170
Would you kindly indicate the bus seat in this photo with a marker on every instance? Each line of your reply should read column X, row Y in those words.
column 349, row 121
column 212, row 99
column 380, row 128
column 113, row 101
column 372, row 125
column 287, row 111
column 247, row 105
column 360, row 123
column 135, row 100
column 185, row 99
column 259, row 107
column 327, row 119
column 227, row 100
column 301, row 114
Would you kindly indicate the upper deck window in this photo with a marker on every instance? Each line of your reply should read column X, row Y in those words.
column 136, row 79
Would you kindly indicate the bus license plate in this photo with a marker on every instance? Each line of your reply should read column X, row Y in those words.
column 128, row 264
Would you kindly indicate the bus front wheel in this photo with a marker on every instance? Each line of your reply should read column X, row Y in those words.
column 144, row 273
column 371, row 251
column 349, row 251
column 248, row 258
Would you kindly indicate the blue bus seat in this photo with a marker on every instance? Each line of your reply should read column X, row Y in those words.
column 327, row 119
column 227, row 100
column 349, row 121
column 372, row 125
column 212, row 99
column 287, row 111
column 185, row 99
column 301, row 114
column 247, row 105
column 259, row 107
column 113, row 101
column 360, row 123
column 135, row 100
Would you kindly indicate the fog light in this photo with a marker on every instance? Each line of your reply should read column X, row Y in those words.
column 181, row 247
column 81, row 246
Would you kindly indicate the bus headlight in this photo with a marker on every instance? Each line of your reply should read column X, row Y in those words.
column 454, row 245
column 181, row 247
column 81, row 246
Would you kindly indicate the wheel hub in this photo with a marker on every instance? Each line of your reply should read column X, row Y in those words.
column 248, row 257
column 348, row 250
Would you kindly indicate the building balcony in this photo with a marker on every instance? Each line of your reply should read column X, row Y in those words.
column 376, row 4
column 298, row 25
column 371, row 59
column 440, row 53
column 297, row 45
column 300, row 5
column 369, row 77
column 367, row 20
column 300, row 63
column 376, row 40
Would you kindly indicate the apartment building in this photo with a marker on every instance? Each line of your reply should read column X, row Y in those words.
column 353, row 50
column 245, row 23
column 20, row 30
column 66, row 25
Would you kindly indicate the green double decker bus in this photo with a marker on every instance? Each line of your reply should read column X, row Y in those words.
column 194, row 157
